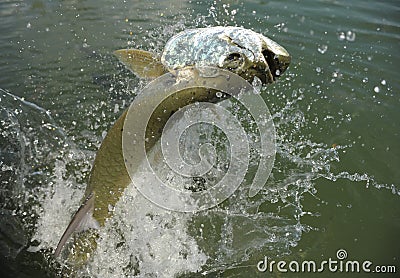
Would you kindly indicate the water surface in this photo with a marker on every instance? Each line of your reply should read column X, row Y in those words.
column 335, row 183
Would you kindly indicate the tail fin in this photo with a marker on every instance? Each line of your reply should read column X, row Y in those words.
column 82, row 220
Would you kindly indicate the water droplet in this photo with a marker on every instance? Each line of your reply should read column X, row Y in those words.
column 318, row 69
column 341, row 36
column 280, row 26
column 218, row 94
column 376, row 89
column 365, row 80
column 322, row 48
column 350, row 36
column 233, row 12
column 111, row 208
column 257, row 84
column 29, row 25
column 116, row 108
column 383, row 82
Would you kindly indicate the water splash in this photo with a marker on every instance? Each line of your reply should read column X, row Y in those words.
column 145, row 240
column 41, row 170
column 141, row 235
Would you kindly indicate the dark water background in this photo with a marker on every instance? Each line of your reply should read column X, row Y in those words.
column 337, row 114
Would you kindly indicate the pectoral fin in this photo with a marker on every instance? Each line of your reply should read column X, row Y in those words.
column 142, row 63
column 82, row 220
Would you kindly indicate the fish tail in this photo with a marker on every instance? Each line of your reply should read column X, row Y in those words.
column 82, row 220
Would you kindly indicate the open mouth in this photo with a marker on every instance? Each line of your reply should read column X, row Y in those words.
column 262, row 72
column 277, row 63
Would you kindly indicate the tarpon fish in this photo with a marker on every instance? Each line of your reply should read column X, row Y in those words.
column 242, row 51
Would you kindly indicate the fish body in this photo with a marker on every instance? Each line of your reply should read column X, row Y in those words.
column 239, row 50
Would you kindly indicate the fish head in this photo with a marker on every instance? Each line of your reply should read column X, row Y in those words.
column 242, row 51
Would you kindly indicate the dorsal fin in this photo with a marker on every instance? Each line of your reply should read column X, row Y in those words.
column 83, row 219
column 143, row 63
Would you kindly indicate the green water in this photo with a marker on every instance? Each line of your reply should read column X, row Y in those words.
column 336, row 116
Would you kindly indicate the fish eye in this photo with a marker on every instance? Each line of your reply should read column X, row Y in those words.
column 233, row 56
column 233, row 61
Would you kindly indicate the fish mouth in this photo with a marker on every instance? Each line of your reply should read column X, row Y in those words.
column 277, row 63
column 259, row 71
column 270, row 67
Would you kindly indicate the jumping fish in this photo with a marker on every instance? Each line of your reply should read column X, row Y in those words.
column 239, row 50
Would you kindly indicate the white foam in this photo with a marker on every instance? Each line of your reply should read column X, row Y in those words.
column 140, row 239
column 143, row 239
column 57, row 204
